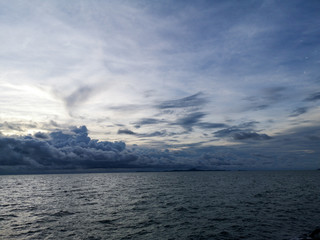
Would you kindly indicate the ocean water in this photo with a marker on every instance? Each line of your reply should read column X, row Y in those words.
column 167, row 205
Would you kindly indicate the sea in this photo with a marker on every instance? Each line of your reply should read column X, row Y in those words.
column 250, row 205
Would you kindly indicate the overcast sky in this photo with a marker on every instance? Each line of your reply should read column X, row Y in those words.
column 163, row 84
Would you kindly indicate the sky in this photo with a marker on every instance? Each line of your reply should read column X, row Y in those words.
column 158, row 85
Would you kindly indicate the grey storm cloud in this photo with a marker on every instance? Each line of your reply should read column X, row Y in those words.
column 71, row 149
column 195, row 100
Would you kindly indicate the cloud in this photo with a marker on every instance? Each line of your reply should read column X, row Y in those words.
column 187, row 122
column 129, row 107
column 266, row 98
column 239, row 134
column 73, row 150
column 161, row 133
column 10, row 126
column 249, row 124
column 148, row 121
column 189, row 158
column 195, row 100
column 68, row 149
column 274, row 93
column 41, row 135
column 299, row 111
column 250, row 135
column 313, row 97
column 79, row 96
column 17, row 126
column 126, row 131
column 207, row 125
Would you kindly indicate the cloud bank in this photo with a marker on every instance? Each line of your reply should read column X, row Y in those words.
column 68, row 149
column 72, row 149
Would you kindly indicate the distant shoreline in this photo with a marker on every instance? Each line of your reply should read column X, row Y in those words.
column 93, row 171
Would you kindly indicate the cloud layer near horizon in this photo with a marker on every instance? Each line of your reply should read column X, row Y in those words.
column 73, row 150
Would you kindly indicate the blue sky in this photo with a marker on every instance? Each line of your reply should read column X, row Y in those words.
column 206, row 84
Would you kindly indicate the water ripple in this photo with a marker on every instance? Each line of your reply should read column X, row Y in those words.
column 180, row 205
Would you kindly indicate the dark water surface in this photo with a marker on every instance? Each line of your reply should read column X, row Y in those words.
column 173, row 205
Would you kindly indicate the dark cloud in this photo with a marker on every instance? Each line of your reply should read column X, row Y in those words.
column 148, row 121
column 145, row 121
column 227, row 132
column 207, row 125
column 313, row 97
column 126, row 131
column 187, row 122
column 161, row 133
column 266, row 98
column 41, row 135
column 73, row 150
column 250, row 135
column 119, row 125
column 299, row 111
column 240, row 134
column 155, row 134
column 261, row 107
column 314, row 138
column 190, row 103
column 190, row 158
column 69, row 149
column 248, row 124
column 195, row 100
